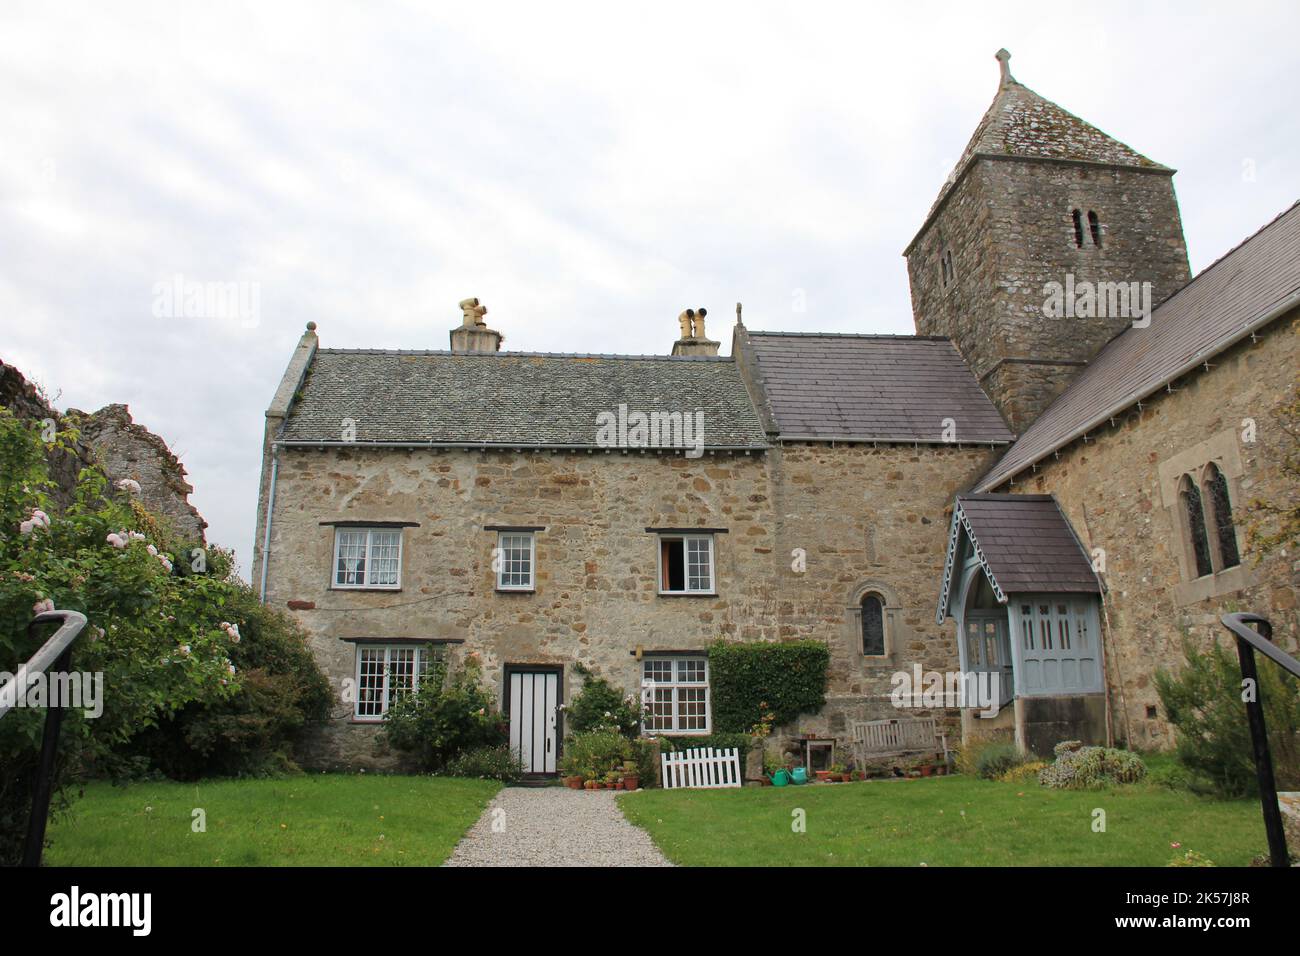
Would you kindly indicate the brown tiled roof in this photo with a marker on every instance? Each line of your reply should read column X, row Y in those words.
column 824, row 387
column 1025, row 544
column 1243, row 291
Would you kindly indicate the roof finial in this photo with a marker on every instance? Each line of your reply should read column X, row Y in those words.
column 1004, row 61
column 739, row 320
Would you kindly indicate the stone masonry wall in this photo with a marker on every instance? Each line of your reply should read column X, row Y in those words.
column 863, row 515
column 1009, row 227
column 1119, row 491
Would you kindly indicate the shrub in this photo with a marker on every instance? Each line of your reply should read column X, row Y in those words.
column 487, row 763
column 1028, row 770
column 601, row 706
column 596, row 753
column 749, row 681
column 1190, row 858
column 450, row 713
column 251, row 731
column 1088, row 768
column 997, row 758
column 967, row 758
column 1204, row 703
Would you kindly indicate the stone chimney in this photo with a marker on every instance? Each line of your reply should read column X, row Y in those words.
column 693, row 340
column 473, row 335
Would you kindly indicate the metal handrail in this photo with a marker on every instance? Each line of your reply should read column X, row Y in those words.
column 73, row 622
column 1249, row 640
column 57, row 651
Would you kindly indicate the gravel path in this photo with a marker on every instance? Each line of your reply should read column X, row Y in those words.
column 555, row 826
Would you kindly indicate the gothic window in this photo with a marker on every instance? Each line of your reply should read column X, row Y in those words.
column 1094, row 226
column 1223, row 532
column 873, row 626
column 1190, row 496
column 1078, row 228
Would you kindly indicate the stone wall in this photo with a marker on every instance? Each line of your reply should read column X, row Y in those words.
column 864, row 516
column 1119, row 491
column 1009, row 228
column 128, row 450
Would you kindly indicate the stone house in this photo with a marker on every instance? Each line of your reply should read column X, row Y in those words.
column 624, row 512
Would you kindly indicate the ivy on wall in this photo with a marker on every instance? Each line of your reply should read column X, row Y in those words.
column 788, row 677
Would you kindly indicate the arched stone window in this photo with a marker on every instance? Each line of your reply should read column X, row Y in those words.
column 873, row 626
column 1094, row 227
column 1194, row 515
column 1224, row 533
column 1078, row 228
column 869, row 619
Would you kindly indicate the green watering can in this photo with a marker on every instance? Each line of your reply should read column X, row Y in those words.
column 781, row 778
column 800, row 775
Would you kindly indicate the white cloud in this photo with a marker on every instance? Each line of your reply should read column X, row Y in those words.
column 588, row 170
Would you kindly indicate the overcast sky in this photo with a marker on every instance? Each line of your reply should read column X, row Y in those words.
column 588, row 171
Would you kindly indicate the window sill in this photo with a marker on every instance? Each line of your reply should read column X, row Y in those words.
column 346, row 588
column 515, row 590
column 1214, row 585
column 366, row 721
column 697, row 594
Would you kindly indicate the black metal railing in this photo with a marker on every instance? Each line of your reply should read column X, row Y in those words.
column 57, row 651
column 1249, row 640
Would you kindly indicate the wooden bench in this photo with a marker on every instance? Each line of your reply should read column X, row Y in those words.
column 896, row 737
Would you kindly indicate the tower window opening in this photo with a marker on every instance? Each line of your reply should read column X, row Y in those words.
column 1078, row 228
column 1094, row 226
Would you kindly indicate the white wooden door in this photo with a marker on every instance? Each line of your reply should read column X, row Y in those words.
column 534, row 706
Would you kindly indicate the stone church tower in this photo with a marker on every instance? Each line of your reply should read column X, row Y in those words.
column 1039, row 196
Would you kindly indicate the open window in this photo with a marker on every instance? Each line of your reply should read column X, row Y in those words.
column 686, row 564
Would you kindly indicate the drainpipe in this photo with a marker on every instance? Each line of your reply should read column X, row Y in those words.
column 270, row 510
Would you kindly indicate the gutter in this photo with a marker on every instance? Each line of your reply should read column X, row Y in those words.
column 270, row 511
column 1285, row 306
column 499, row 446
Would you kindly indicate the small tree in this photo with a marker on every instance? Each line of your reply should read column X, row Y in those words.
column 1204, row 702
column 601, row 706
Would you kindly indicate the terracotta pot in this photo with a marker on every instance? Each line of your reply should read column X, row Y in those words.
column 926, row 770
column 590, row 785
column 630, row 783
column 823, row 775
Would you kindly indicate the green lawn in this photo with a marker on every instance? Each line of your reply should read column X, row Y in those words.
column 944, row 821
column 317, row 820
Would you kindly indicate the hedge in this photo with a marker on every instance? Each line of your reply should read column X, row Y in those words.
column 788, row 677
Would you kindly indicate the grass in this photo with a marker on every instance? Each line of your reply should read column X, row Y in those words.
column 317, row 820
column 944, row 821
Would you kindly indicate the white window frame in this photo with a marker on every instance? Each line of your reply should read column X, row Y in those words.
column 686, row 571
column 532, row 560
column 336, row 573
column 421, row 661
column 675, row 686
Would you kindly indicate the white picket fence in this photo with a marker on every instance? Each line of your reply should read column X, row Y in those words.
column 701, row 769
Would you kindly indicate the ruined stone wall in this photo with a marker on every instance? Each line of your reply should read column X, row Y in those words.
column 1119, row 490
column 122, row 448
column 1010, row 230
column 128, row 450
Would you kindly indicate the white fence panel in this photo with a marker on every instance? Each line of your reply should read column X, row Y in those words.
column 701, row 769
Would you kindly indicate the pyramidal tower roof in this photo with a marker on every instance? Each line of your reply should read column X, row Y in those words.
column 1019, row 122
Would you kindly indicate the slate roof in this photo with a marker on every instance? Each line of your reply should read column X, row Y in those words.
column 1025, row 544
column 1020, row 122
column 511, row 398
column 871, row 387
column 1228, row 300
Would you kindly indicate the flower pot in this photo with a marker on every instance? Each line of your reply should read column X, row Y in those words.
column 631, row 783
column 926, row 770
column 823, row 775
column 590, row 785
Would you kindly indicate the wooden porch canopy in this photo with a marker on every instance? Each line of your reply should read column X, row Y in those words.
column 1024, row 543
